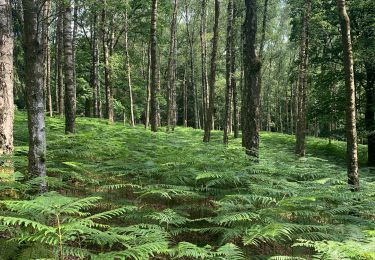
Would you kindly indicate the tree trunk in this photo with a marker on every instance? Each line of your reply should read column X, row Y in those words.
column 302, row 84
column 234, row 84
column 203, row 32
column 153, row 67
column 97, row 104
column 35, row 98
column 185, row 97
column 6, row 78
column 251, row 88
column 132, row 120
column 70, row 88
column 148, row 88
column 229, row 70
column 370, row 111
column 211, row 107
column 47, row 55
column 190, row 36
column 107, row 66
column 171, row 99
column 59, row 61
column 351, row 128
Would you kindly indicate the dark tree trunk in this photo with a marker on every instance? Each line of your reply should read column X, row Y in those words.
column 370, row 111
column 212, row 80
column 148, row 89
column 34, row 83
column 229, row 70
column 236, row 113
column 153, row 67
column 70, row 88
column 302, row 84
column 351, row 128
column 47, row 55
column 251, row 89
column 6, row 78
column 203, row 34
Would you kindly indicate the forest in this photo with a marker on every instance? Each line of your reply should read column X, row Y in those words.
column 187, row 129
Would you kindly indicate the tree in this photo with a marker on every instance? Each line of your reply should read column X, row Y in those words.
column 302, row 84
column 153, row 67
column 59, row 59
column 6, row 79
column 97, row 103
column 47, row 54
column 212, row 80
column 127, row 56
column 172, row 66
column 251, row 88
column 229, row 71
column 34, row 86
column 70, row 88
column 203, row 42
column 351, row 128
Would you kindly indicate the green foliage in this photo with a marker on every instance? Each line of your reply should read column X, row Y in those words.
column 132, row 194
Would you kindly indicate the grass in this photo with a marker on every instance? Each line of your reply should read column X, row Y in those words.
column 211, row 193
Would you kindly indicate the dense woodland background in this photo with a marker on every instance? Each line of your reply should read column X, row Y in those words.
column 185, row 129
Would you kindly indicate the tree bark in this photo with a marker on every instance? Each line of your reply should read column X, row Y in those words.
column 59, row 61
column 148, row 88
column 107, row 66
column 97, row 104
column 132, row 120
column 351, row 128
column 190, row 36
column 47, row 55
column 203, row 42
column 229, row 71
column 370, row 111
column 34, row 83
column 6, row 78
column 302, row 84
column 70, row 88
column 212, row 80
column 251, row 88
column 172, row 63
column 153, row 67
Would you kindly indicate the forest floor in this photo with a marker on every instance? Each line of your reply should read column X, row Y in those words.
column 216, row 193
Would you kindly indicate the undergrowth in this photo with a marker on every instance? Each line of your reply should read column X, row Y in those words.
column 125, row 193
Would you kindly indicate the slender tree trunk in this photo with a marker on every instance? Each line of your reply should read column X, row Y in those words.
column 236, row 113
column 251, row 88
column 190, row 36
column 60, row 62
column 185, row 97
column 203, row 34
column 107, row 66
column 171, row 99
column 6, row 78
column 47, row 55
column 229, row 70
column 70, row 88
column 97, row 104
column 211, row 108
column 148, row 89
column 153, row 67
column 302, row 84
column 35, row 98
column 351, row 128
column 132, row 120
column 370, row 111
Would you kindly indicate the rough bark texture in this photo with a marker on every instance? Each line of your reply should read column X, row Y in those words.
column 47, row 54
column 153, row 67
column 127, row 56
column 70, row 88
column 6, row 79
column 172, row 64
column 228, row 75
column 148, row 89
column 34, row 86
column 370, row 111
column 251, row 89
column 212, row 80
column 351, row 128
column 234, row 83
